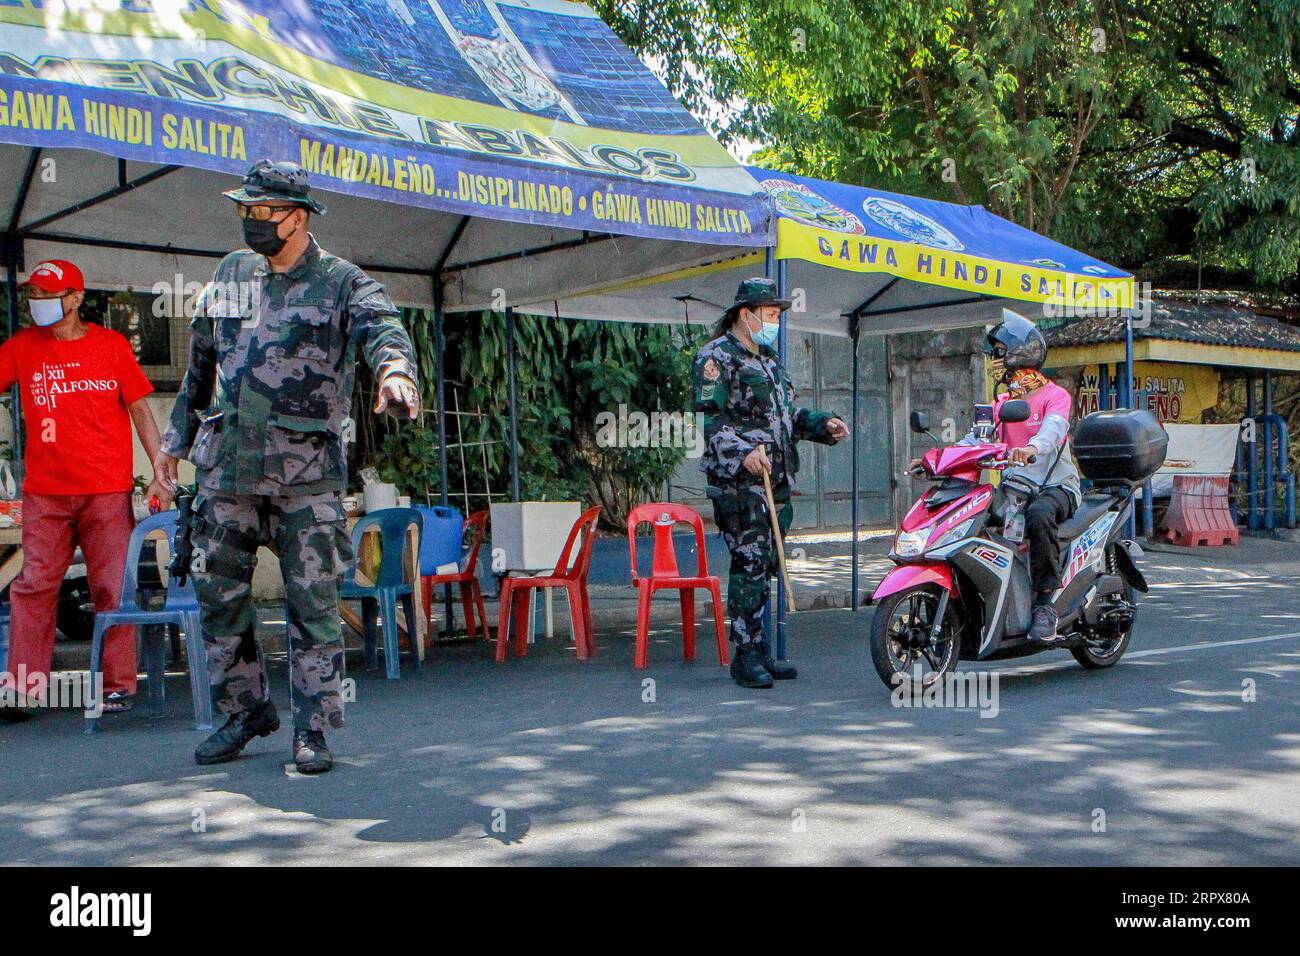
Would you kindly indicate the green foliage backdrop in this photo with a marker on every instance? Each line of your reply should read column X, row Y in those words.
column 567, row 374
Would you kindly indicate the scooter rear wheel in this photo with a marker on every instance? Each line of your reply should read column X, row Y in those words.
column 1099, row 656
column 899, row 638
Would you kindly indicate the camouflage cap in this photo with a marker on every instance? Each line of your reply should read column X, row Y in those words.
column 752, row 293
column 284, row 180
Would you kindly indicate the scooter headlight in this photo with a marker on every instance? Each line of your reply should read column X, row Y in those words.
column 909, row 544
column 955, row 533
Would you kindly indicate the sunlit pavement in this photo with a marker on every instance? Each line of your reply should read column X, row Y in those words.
column 544, row 760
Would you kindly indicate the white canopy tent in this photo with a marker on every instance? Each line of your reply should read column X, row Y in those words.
column 129, row 224
column 470, row 154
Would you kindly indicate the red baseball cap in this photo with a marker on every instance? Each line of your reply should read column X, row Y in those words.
column 56, row 275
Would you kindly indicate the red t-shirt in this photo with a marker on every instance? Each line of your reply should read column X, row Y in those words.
column 75, row 393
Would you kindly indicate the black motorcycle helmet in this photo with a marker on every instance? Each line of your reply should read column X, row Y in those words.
column 1017, row 342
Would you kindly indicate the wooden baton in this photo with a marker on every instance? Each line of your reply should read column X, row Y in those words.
column 780, row 545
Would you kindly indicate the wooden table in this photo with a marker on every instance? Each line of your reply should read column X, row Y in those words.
column 367, row 558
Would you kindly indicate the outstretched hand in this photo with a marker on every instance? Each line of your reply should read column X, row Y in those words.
column 398, row 390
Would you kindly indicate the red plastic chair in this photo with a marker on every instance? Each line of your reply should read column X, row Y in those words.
column 665, row 574
column 471, row 595
column 572, row 579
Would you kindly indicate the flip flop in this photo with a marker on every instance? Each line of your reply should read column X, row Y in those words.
column 118, row 702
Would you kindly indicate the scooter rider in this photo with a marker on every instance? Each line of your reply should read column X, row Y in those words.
column 1018, row 352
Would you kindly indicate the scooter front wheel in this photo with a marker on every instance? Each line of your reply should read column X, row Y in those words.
column 903, row 647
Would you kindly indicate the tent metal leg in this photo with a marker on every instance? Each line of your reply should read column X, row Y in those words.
column 1128, row 394
column 1268, row 450
column 13, row 252
column 1128, row 361
column 439, row 355
column 15, row 394
column 853, row 477
column 512, row 398
column 1148, row 510
column 1252, row 459
column 781, row 286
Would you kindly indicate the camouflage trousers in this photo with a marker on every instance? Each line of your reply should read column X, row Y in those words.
column 740, row 511
column 308, row 534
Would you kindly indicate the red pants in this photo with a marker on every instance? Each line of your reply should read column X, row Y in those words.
column 53, row 525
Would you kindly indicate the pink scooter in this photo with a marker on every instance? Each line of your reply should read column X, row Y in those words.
column 961, row 589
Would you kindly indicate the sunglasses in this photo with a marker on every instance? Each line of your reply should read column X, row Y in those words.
column 261, row 212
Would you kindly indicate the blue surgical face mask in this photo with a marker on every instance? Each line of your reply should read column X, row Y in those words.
column 766, row 334
column 47, row 312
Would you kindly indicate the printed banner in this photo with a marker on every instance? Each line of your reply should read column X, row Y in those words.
column 524, row 110
column 1172, row 391
column 961, row 247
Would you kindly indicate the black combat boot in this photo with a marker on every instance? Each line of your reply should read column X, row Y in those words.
column 747, row 666
column 228, row 742
column 310, row 752
column 780, row 670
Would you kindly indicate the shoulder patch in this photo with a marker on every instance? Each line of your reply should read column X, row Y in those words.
column 377, row 302
column 711, row 371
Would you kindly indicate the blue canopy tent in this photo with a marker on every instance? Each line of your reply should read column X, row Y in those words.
column 863, row 261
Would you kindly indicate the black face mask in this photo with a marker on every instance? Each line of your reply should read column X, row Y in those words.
column 263, row 236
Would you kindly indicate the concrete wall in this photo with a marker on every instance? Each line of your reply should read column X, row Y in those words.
column 942, row 374
column 821, row 368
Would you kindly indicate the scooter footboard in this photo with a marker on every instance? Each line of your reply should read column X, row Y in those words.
column 911, row 575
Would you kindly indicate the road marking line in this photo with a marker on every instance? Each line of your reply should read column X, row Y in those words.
column 1194, row 647
column 1153, row 651
column 1278, row 580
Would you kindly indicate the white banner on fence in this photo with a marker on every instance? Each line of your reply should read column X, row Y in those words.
column 1196, row 450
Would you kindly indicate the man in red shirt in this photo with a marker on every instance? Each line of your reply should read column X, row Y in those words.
column 81, row 388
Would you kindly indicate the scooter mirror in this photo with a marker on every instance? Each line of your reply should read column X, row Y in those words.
column 920, row 422
column 1016, row 410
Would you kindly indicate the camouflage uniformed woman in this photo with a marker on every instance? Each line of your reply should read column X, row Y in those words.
column 751, row 425
column 263, row 414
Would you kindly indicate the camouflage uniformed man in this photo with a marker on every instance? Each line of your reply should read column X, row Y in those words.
column 263, row 414
column 751, row 425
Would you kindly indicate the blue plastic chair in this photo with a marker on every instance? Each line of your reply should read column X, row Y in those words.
column 390, row 585
column 181, row 609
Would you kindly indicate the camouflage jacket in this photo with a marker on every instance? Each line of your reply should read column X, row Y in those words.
column 747, row 399
column 264, row 407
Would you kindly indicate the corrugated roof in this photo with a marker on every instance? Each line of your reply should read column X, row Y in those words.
column 1182, row 321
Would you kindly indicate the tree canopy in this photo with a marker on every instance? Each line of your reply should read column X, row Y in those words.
column 1160, row 135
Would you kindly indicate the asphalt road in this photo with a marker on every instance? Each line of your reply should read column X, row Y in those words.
column 1160, row 760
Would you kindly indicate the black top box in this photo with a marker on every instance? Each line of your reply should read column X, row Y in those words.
column 1119, row 445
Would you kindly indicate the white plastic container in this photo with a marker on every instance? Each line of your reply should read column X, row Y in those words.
column 378, row 496
column 529, row 535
